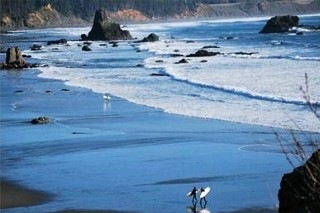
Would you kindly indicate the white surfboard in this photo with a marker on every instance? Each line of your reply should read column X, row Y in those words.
column 205, row 192
column 190, row 193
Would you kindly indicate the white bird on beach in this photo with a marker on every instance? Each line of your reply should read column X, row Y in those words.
column 106, row 96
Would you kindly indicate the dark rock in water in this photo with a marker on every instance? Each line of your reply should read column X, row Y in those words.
column 210, row 47
column 190, row 41
column 84, row 37
column 176, row 55
column 14, row 56
column 244, row 53
column 86, row 48
column 114, row 44
column 150, row 38
column 65, row 90
column 300, row 190
column 15, row 60
column 104, row 30
column 203, row 61
column 280, row 24
column 26, row 56
column 36, row 47
column 203, row 53
column 57, row 42
column 159, row 74
column 182, row 61
column 40, row 120
column 159, row 61
column 140, row 65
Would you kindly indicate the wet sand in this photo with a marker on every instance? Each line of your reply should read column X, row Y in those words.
column 16, row 195
column 120, row 157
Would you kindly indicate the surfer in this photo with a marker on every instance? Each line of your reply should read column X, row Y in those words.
column 204, row 197
column 194, row 194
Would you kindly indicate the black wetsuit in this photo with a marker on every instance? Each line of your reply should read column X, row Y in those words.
column 194, row 193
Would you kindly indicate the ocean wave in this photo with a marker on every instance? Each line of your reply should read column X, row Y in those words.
column 246, row 94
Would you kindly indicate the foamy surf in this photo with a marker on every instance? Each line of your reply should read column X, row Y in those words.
column 262, row 88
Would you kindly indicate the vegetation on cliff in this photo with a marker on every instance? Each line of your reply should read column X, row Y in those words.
column 43, row 13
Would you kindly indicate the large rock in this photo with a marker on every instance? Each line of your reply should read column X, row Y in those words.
column 14, row 56
column 150, row 38
column 104, row 30
column 203, row 53
column 300, row 190
column 40, row 120
column 280, row 24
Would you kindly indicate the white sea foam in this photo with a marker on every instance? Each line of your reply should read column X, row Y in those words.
column 261, row 88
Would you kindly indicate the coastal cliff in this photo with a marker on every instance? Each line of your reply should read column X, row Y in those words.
column 45, row 13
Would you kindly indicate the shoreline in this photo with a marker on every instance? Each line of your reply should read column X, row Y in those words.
column 217, row 19
column 123, row 115
column 95, row 152
column 16, row 195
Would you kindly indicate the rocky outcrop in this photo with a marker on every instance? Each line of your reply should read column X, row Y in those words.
column 86, row 48
column 300, row 190
column 15, row 60
column 40, row 120
column 203, row 53
column 280, row 24
column 14, row 56
column 57, row 42
column 104, row 30
column 46, row 16
column 128, row 15
column 150, row 38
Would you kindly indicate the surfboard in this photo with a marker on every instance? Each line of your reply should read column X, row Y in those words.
column 190, row 193
column 205, row 192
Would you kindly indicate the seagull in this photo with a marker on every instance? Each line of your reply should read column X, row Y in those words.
column 106, row 96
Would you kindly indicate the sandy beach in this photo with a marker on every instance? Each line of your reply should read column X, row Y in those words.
column 97, row 155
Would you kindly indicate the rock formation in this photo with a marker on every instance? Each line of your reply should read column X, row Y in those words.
column 46, row 16
column 14, row 56
column 104, row 30
column 40, row 120
column 203, row 53
column 280, row 24
column 150, row 38
column 300, row 190
column 15, row 60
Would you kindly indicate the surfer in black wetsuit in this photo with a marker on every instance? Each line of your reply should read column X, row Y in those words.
column 194, row 194
column 204, row 198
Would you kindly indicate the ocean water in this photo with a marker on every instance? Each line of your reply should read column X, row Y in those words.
column 262, row 87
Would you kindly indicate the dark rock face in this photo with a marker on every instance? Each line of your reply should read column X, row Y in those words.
column 40, row 120
column 182, row 61
column 36, row 47
column 300, row 190
column 104, row 30
column 15, row 60
column 60, row 41
column 151, row 38
column 86, row 48
column 14, row 56
column 203, row 53
column 280, row 24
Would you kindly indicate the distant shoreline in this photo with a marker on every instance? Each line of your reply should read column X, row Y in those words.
column 162, row 20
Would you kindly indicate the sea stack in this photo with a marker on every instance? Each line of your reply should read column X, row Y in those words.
column 280, row 24
column 105, row 30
